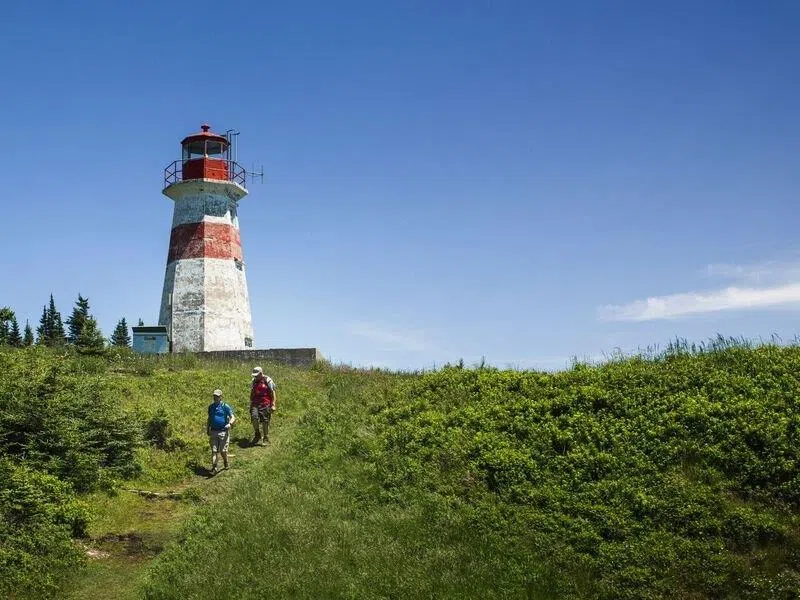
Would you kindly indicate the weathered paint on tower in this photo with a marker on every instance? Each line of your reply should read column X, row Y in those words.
column 205, row 304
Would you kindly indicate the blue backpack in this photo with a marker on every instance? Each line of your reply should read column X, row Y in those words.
column 227, row 411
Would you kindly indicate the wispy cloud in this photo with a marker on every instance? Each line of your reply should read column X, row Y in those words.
column 767, row 284
column 679, row 305
column 389, row 338
column 768, row 272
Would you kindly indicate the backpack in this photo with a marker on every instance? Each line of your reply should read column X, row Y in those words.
column 225, row 407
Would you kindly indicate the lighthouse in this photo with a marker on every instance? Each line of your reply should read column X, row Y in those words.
column 204, row 303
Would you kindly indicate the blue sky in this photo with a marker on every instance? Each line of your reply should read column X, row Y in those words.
column 520, row 181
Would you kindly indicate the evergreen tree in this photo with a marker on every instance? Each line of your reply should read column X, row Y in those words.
column 6, row 315
column 84, row 332
column 76, row 319
column 51, row 329
column 14, row 337
column 141, row 323
column 45, row 329
column 27, row 339
column 120, row 336
column 90, row 339
column 59, row 337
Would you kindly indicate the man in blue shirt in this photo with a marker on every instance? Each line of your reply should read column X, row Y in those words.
column 218, row 427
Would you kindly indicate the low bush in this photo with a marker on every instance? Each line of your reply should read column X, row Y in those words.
column 60, row 436
column 158, row 430
column 39, row 516
column 661, row 478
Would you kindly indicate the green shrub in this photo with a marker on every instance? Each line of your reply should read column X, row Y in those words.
column 662, row 476
column 158, row 429
column 39, row 516
column 60, row 420
column 160, row 432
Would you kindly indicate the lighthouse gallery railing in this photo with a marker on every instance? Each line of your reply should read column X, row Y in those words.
column 174, row 172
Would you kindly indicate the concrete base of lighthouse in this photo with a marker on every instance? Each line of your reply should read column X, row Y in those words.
column 205, row 305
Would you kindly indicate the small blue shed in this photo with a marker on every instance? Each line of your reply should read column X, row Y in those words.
column 150, row 339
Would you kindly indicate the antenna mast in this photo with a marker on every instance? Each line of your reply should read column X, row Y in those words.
column 253, row 174
column 233, row 137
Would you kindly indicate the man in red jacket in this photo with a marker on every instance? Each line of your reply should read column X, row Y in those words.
column 262, row 405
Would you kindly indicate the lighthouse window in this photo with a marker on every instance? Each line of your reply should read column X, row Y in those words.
column 248, row 342
column 213, row 148
column 195, row 149
column 201, row 148
column 238, row 263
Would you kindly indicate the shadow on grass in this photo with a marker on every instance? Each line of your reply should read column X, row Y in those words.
column 243, row 442
column 202, row 470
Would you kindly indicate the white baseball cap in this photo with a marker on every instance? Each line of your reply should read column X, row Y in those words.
column 257, row 371
column 218, row 393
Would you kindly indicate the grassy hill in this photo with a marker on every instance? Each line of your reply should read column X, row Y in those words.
column 672, row 476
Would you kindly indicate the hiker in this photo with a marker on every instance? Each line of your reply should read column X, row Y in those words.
column 218, row 427
column 262, row 405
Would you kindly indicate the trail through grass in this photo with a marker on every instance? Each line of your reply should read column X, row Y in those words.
column 128, row 530
column 312, row 522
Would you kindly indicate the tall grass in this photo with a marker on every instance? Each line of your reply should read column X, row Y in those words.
column 313, row 522
column 672, row 475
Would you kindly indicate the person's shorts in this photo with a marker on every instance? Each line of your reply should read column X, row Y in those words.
column 262, row 413
column 219, row 440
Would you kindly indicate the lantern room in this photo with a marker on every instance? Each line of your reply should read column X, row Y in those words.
column 205, row 155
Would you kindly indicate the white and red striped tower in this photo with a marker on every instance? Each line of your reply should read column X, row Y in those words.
column 205, row 304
